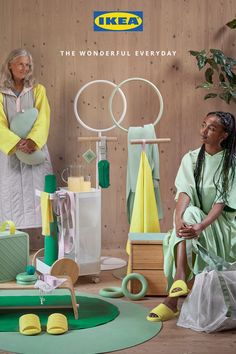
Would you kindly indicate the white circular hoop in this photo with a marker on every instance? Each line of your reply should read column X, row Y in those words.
column 117, row 123
column 76, row 111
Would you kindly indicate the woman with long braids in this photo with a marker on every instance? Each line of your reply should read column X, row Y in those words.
column 205, row 210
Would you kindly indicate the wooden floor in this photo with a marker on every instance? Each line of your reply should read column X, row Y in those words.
column 171, row 339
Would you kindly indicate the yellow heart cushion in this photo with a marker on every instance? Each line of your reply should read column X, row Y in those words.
column 57, row 324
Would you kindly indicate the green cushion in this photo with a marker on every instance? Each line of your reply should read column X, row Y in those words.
column 21, row 125
column 35, row 158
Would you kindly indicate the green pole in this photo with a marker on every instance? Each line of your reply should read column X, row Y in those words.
column 51, row 241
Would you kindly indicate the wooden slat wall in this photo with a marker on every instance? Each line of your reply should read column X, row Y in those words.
column 47, row 26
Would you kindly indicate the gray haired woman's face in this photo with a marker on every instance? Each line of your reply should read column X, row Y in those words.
column 19, row 68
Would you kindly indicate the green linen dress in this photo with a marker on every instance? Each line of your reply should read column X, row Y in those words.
column 220, row 236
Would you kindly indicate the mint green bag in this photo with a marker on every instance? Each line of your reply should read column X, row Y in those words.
column 21, row 125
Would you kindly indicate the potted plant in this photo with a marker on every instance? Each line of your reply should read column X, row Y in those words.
column 220, row 76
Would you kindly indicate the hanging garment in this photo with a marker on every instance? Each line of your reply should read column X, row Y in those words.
column 18, row 181
column 145, row 217
column 134, row 153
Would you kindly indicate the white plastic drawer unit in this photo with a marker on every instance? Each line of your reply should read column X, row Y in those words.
column 88, row 231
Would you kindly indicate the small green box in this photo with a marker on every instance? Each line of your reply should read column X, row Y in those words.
column 14, row 254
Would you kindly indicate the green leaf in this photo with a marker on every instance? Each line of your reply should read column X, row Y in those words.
column 201, row 60
column 227, row 70
column 221, row 77
column 213, row 64
column 206, row 85
column 216, row 51
column 208, row 75
column 233, row 93
column 232, row 79
column 194, row 52
column 224, row 85
column 231, row 61
column 226, row 96
column 231, row 24
column 210, row 95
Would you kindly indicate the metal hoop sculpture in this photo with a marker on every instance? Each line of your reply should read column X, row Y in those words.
column 79, row 118
column 118, row 88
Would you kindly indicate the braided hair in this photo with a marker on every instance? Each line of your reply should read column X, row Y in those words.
column 227, row 174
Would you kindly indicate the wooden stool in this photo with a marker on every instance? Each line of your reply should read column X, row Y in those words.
column 147, row 259
column 66, row 285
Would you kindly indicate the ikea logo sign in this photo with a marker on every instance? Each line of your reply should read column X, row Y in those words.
column 118, row 21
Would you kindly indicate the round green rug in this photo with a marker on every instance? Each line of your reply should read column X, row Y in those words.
column 128, row 329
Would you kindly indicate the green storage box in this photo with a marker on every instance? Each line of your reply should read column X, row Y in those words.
column 14, row 254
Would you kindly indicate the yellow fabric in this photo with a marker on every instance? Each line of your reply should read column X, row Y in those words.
column 8, row 139
column 57, row 323
column 29, row 324
column 47, row 213
column 40, row 130
column 11, row 224
column 145, row 214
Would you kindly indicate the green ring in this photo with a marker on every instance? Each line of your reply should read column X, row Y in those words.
column 26, row 282
column 142, row 280
column 112, row 292
column 24, row 277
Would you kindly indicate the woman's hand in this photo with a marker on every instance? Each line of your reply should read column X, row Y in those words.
column 26, row 145
column 179, row 225
column 190, row 231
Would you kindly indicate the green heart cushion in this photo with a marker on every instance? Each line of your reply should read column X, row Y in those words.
column 21, row 125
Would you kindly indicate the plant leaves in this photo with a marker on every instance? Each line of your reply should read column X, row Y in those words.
column 232, row 79
column 226, row 96
column 208, row 75
column 224, row 85
column 227, row 70
column 221, row 77
column 233, row 93
column 206, row 85
column 201, row 60
column 194, row 52
column 213, row 64
column 232, row 24
column 210, row 95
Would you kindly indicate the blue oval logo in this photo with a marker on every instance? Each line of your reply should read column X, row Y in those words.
column 118, row 21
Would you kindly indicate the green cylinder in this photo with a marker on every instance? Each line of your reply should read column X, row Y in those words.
column 51, row 241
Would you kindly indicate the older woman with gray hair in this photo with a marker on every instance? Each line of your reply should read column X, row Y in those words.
column 19, row 178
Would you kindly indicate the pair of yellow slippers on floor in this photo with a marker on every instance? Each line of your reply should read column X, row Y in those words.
column 163, row 312
column 29, row 324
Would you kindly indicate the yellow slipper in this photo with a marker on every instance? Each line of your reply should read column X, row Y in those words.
column 163, row 313
column 57, row 324
column 183, row 289
column 29, row 324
